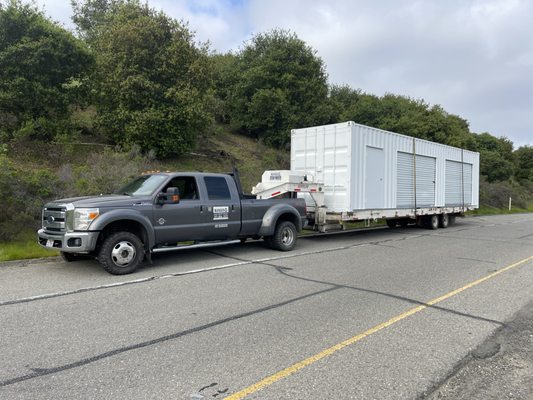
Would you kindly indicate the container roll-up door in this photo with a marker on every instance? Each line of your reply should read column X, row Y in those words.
column 453, row 180
column 425, row 181
column 405, row 193
column 467, row 183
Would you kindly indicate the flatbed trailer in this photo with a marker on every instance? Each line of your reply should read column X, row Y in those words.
column 350, row 172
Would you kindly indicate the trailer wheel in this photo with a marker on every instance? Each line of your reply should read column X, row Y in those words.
column 404, row 223
column 444, row 221
column 432, row 221
column 121, row 253
column 391, row 223
column 451, row 219
column 284, row 238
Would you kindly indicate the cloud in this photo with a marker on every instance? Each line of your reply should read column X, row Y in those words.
column 473, row 57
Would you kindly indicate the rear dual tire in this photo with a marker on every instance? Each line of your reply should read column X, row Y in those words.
column 284, row 237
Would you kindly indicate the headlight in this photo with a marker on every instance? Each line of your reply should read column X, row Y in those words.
column 83, row 218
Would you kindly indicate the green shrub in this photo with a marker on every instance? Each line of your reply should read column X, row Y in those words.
column 25, row 191
column 496, row 194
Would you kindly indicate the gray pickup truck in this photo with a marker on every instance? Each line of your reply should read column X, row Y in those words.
column 166, row 211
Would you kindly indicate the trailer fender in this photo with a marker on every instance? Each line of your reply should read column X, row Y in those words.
column 110, row 217
column 273, row 214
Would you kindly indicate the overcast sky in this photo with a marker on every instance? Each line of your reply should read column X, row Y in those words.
column 475, row 58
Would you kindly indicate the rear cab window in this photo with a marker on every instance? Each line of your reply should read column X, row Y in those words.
column 217, row 188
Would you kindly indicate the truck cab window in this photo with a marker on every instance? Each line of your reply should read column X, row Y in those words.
column 186, row 185
column 217, row 188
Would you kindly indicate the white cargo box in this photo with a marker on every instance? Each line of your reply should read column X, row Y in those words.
column 364, row 168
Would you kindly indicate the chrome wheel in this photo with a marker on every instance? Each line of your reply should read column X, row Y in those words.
column 284, row 237
column 123, row 253
column 287, row 236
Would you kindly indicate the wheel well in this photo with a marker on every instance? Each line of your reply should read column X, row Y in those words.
column 125, row 226
column 290, row 217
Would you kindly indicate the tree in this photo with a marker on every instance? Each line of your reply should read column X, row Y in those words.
column 42, row 69
column 282, row 85
column 400, row 114
column 90, row 16
column 224, row 79
column 496, row 156
column 152, row 83
column 524, row 163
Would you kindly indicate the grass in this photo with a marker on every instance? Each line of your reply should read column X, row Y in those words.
column 24, row 248
column 221, row 149
column 487, row 210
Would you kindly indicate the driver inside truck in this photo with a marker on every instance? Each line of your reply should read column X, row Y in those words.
column 186, row 186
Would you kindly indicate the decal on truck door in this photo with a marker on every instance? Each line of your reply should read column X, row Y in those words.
column 220, row 213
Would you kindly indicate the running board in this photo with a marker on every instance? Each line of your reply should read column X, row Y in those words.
column 195, row 246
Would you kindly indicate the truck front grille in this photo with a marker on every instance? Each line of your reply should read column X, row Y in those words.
column 54, row 219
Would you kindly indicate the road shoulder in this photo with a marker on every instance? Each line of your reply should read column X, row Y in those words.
column 499, row 368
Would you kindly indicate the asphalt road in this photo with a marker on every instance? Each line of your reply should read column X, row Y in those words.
column 380, row 314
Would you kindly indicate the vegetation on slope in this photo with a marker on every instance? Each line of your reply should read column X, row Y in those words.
column 133, row 90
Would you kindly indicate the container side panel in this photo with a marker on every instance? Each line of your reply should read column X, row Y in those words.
column 475, row 180
column 467, row 183
column 325, row 153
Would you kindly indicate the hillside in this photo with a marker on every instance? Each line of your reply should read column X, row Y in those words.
column 35, row 172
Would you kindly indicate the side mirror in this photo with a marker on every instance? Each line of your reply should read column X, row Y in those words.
column 171, row 196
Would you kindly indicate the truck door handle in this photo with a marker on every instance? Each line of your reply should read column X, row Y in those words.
column 233, row 207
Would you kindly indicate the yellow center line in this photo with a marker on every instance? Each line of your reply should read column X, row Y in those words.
column 284, row 373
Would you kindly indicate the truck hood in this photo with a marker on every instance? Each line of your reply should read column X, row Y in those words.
column 111, row 200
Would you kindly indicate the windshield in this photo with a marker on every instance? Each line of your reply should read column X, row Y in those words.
column 143, row 185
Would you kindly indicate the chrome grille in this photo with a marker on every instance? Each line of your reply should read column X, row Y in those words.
column 54, row 219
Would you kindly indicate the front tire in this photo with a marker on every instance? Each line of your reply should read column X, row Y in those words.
column 121, row 253
column 284, row 238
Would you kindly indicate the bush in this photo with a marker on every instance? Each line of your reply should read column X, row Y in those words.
column 496, row 194
column 24, row 192
column 103, row 172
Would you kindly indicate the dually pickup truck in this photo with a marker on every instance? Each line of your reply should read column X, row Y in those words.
column 160, row 212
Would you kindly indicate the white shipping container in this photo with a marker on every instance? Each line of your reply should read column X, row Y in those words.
column 364, row 168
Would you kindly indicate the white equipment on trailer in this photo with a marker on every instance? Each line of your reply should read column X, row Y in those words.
column 352, row 172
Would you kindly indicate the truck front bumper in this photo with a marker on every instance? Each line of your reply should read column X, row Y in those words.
column 69, row 242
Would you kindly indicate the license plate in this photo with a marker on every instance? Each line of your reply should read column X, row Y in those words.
column 50, row 243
